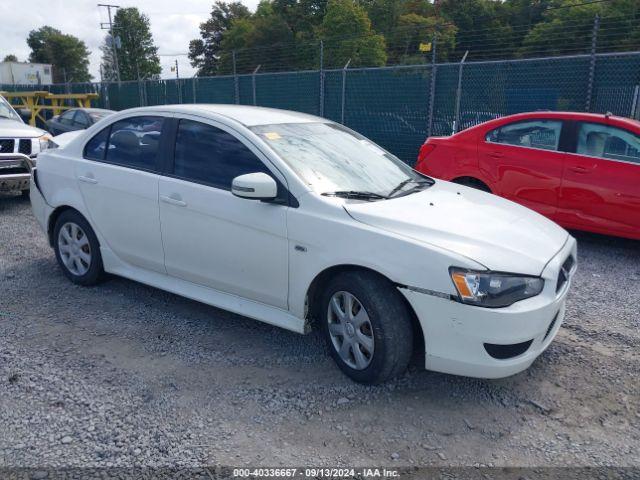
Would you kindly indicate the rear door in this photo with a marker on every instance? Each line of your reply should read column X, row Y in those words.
column 526, row 162
column 601, row 183
column 119, row 184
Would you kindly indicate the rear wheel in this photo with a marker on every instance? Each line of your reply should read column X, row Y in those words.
column 367, row 326
column 473, row 183
column 77, row 249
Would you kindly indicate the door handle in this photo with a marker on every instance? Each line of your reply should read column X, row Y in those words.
column 496, row 155
column 87, row 179
column 173, row 200
column 579, row 169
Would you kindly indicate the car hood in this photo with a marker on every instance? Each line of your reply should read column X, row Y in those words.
column 14, row 129
column 490, row 230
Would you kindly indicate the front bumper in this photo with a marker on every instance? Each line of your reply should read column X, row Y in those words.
column 455, row 334
column 15, row 171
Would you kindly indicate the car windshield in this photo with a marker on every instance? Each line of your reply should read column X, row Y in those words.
column 335, row 160
column 7, row 111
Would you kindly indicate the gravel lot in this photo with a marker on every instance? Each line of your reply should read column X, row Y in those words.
column 123, row 374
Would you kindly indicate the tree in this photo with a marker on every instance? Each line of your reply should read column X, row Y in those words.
column 403, row 42
column 483, row 27
column 10, row 58
column 67, row 54
column 346, row 32
column 204, row 52
column 137, row 54
column 252, row 37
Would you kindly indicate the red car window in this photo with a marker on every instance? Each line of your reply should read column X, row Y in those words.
column 604, row 141
column 544, row 134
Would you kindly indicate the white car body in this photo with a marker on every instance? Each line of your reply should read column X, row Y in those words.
column 64, row 139
column 261, row 260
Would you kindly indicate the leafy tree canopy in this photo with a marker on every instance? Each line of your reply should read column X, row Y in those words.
column 67, row 54
column 137, row 54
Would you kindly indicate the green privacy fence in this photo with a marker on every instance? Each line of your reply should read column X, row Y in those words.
column 398, row 107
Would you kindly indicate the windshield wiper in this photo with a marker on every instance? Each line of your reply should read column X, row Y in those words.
column 355, row 194
column 402, row 184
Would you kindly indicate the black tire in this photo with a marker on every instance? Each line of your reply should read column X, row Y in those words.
column 95, row 271
column 389, row 318
column 473, row 183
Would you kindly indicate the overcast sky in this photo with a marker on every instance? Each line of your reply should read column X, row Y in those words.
column 173, row 24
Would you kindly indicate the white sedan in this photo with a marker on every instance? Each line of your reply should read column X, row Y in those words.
column 300, row 222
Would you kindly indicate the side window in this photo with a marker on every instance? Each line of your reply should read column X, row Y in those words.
column 97, row 146
column 133, row 142
column 544, row 134
column 604, row 141
column 209, row 155
column 80, row 119
column 67, row 117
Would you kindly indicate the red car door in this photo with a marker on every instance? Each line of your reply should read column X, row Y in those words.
column 524, row 161
column 601, row 184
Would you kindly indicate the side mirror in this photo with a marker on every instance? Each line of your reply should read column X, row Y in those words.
column 255, row 186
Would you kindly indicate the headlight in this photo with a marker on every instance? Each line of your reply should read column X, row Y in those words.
column 488, row 289
column 44, row 142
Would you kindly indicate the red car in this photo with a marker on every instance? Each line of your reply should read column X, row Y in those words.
column 581, row 170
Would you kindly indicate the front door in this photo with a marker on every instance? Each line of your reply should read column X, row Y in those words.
column 212, row 237
column 601, row 183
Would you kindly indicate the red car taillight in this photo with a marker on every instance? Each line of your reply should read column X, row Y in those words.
column 425, row 150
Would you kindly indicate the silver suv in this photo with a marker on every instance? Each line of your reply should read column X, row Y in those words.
column 19, row 145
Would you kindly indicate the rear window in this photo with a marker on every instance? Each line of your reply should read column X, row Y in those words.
column 543, row 134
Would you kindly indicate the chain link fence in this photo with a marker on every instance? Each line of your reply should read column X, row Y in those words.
column 399, row 106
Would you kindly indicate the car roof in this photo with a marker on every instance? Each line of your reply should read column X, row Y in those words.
column 245, row 114
column 578, row 116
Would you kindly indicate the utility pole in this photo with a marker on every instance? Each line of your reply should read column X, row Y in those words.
column 113, row 40
column 177, row 73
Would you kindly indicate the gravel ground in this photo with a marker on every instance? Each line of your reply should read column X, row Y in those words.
column 123, row 374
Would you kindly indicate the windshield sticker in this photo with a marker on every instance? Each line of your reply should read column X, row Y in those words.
column 272, row 135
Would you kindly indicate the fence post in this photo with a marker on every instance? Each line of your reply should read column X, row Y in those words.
column 195, row 84
column 235, row 79
column 344, row 88
column 635, row 105
column 321, row 78
column 456, row 122
column 253, row 83
column 432, row 90
column 592, row 64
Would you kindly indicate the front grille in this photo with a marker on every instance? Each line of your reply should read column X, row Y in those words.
column 563, row 276
column 24, row 146
column 7, row 145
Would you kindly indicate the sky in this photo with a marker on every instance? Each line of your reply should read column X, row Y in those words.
column 173, row 24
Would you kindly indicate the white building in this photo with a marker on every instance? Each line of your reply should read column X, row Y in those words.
column 25, row 73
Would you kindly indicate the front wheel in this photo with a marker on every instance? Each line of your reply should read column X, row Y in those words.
column 77, row 249
column 367, row 326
